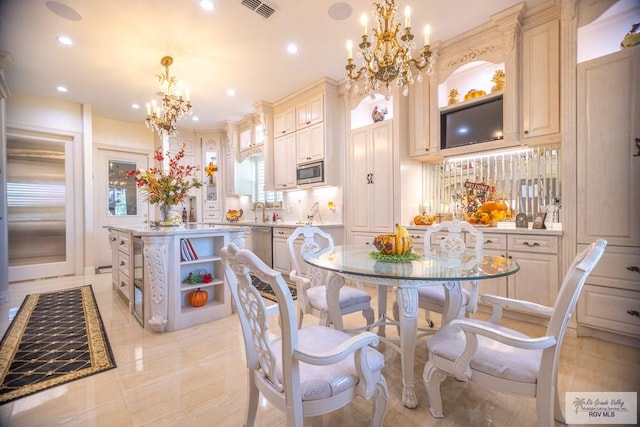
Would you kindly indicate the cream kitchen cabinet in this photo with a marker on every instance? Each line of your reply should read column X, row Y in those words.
column 211, row 204
column 370, row 192
column 611, row 296
column 537, row 255
column 541, row 80
column 122, row 263
column 315, row 114
column 245, row 139
column 608, row 160
column 284, row 121
column 538, row 278
column 211, row 212
column 608, row 173
column 281, row 255
column 421, row 142
column 310, row 111
column 251, row 135
column 310, row 144
column 284, row 162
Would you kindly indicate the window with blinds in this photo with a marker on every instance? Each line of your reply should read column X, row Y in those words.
column 259, row 193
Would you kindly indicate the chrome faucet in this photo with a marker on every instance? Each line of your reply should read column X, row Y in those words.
column 260, row 205
column 315, row 210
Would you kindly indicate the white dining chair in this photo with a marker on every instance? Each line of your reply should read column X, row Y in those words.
column 315, row 297
column 432, row 298
column 503, row 359
column 303, row 372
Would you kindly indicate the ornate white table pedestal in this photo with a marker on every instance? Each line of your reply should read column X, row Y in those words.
column 354, row 262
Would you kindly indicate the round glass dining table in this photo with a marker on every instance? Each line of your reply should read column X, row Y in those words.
column 438, row 267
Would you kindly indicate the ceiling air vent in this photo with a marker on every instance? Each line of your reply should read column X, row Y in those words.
column 259, row 7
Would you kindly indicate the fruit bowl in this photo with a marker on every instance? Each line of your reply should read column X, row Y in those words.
column 400, row 243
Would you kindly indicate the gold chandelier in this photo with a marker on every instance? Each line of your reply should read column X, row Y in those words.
column 163, row 117
column 391, row 58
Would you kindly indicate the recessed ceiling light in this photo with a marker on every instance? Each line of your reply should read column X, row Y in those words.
column 231, row 92
column 207, row 5
column 292, row 48
column 65, row 40
column 62, row 89
column 195, row 118
column 135, row 106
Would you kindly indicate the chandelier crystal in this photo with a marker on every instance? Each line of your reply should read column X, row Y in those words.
column 390, row 58
column 162, row 117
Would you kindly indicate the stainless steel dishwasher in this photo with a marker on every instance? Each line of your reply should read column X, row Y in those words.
column 261, row 240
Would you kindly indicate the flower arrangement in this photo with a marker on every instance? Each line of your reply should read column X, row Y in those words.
column 211, row 169
column 168, row 187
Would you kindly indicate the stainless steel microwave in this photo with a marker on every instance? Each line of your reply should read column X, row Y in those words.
column 310, row 173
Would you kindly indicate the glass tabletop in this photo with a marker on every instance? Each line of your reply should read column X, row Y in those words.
column 437, row 265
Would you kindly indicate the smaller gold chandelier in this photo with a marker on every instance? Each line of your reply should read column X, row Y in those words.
column 391, row 58
column 163, row 117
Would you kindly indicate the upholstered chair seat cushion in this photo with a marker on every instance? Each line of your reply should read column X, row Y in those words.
column 320, row 382
column 492, row 357
column 349, row 296
column 434, row 295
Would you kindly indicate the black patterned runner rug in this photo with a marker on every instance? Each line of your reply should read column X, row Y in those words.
column 55, row 338
column 266, row 291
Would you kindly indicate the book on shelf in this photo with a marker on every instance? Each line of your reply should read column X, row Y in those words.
column 192, row 249
column 187, row 251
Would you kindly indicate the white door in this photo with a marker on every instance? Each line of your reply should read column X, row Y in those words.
column 117, row 199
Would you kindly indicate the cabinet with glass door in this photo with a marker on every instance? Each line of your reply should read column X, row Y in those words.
column 211, row 210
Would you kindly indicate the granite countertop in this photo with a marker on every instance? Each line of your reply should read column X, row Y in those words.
column 285, row 224
column 513, row 230
column 190, row 228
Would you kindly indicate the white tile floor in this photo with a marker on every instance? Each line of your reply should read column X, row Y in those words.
column 196, row 377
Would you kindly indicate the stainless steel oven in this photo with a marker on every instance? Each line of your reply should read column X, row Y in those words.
column 310, row 173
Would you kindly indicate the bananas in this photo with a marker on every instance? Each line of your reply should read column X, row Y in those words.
column 401, row 231
column 399, row 243
column 404, row 242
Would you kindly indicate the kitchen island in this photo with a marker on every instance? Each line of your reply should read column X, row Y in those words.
column 160, row 270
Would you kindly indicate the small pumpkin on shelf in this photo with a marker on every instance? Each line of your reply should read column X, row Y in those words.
column 198, row 298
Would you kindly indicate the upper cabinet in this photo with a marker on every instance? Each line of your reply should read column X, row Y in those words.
column 284, row 121
column 541, row 81
column 512, row 62
column 284, row 150
column 251, row 136
column 310, row 111
column 419, row 119
column 310, row 118
column 310, row 143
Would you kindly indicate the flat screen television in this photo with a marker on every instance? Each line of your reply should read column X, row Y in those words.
column 479, row 122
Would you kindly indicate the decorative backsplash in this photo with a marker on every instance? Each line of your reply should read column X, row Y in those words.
column 526, row 178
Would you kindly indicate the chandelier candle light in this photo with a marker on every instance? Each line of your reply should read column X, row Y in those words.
column 390, row 58
column 173, row 106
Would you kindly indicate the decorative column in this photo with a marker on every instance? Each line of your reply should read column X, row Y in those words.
column 156, row 289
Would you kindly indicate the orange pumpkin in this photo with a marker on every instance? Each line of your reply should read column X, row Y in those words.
column 424, row 219
column 198, row 298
